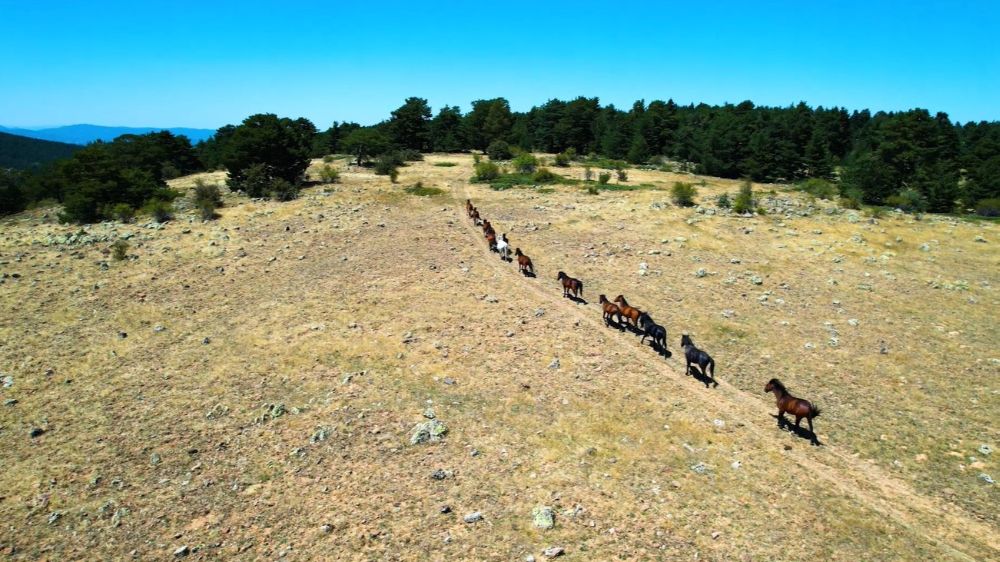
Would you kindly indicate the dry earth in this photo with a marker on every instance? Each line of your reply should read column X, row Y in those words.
column 247, row 388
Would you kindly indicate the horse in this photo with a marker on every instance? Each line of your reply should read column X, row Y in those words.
column 570, row 285
column 469, row 208
column 491, row 240
column 488, row 228
column 474, row 215
column 693, row 355
column 611, row 310
column 796, row 406
column 524, row 264
column 503, row 247
column 628, row 312
column 656, row 333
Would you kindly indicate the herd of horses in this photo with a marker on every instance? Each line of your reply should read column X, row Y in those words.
column 618, row 313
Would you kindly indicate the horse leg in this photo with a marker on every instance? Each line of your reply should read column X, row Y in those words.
column 781, row 419
column 814, row 440
column 798, row 420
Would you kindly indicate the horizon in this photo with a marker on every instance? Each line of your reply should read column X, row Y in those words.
column 166, row 64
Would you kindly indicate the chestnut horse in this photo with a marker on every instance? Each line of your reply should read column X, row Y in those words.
column 796, row 406
column 524, row 264
column 611, row 310
column 628, row 312
column 570, row 285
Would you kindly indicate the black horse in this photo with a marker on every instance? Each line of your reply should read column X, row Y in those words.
column 655, row 332
column 693, row 355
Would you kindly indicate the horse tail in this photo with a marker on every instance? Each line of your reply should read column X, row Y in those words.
column 581, row 288
column 711, row 368
column 814, row 411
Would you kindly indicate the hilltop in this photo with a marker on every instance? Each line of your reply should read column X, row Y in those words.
column 83, row 133
column 22, row 152
column 249, row 386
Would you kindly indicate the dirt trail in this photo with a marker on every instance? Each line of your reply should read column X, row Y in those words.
column 864, row 482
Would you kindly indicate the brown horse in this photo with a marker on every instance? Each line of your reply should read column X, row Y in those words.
column 491, row 239
column 469, row 208
column 611, row 310
column 524, row 264
column 796, row 406
column 570, row 285
column 629, row 312
column 474, row 215
column 488, row 228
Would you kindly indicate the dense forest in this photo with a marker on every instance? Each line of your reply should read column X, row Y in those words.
column 22, row 152
column 913, row 159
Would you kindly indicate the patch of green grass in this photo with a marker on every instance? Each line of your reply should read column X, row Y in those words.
column 606, row 163
column 445, row 164
column 509, row 181
column 619, row 186
column 419, row 189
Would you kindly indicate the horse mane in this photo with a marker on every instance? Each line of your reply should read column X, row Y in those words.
column 777, row 384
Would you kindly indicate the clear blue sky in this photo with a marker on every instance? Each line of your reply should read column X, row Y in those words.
column 208, row 63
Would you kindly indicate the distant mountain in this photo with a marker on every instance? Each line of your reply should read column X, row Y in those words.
column 83, row 134
column 23, row 152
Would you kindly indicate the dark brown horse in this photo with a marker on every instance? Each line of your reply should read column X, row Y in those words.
column 611, row 310
column 524, row 264
column 491, row 239
column 488, row 228
column 474, row 215
column 694, row 356
column 629, row 312
column 469, row 208
column 795, row 406
column 570, row 285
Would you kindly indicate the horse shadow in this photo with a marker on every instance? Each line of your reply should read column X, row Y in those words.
column 660, row 350
column 800, row 432
column 702, row 377
column 621, row 326
column 527, row 273
column 577, row 300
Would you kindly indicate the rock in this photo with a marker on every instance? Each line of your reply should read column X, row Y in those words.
column 543, row 517
column 429, row 431
column 718, row 423
column 529, row 558
column 206, row 341
column 979, row 238
column 700, row 273
column 809, row 345
column 736, row 465
column 490, row 298
column 985, row 449
column 756, row 280
column 716, row 534
column 853, row 322
column 445, row 509
column 182, row 551
column 986, row 478
column 553, row 551
column 473, row 517
column 440, row 474
column 429, row 413
column 699, row 468
column 55, row 516
column 36, row 432
column 728, row 313
column 449, row 381
column 554, row 364
column 154, row 459
column 158, row 328
column 326, row 529
column 925, row 247
column 408, row 337
column 7, row 381
column 539, row 312
column 321, row 434
column 10, row 402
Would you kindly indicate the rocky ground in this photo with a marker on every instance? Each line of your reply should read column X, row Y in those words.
column 353, row 376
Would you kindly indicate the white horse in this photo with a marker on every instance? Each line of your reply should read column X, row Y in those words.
column 503, row 247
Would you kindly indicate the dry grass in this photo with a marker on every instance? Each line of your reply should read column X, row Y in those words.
column 610, row 436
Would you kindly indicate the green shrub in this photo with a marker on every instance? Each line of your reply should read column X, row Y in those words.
column 328, row 159
column 122, row 212
column 875, row 212
column 499, row 150
column 592, row 189
column 909, row 200
column 419, row 189
column 169, row 171
column 119, row 250
column 744, row 203
column 445, row 164
column 819, row 188
column 544, row 175
column 207, row 199
column 255, row 180
column 723, row 201
column 562, row 160
column 486, row 171
column 410, row 155
column 622, row 174
column 159, row 210
column 387, row 162
column 588, row 173
column 329, row 174
column 851, row 199
column 283, row 190
column 525, row 163
column 683, row 194
column 988, row 207
column 603, row 178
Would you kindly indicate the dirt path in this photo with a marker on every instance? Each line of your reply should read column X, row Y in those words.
column 866, row 483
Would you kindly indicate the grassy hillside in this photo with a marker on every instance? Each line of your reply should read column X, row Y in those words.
column 248, row 387
column 22, row 152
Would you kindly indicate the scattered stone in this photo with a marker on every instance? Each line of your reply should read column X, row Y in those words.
column 985, row 449
column 116, row 518
column 429, row 431
column 728, row 313
column 154, row 459
column 986, row 478
column 554, row 364
column 883, row 348
column 853, row 322
column 553, row 551
column 756, row 280
column 529, row 558
column 490, row 298
column 473, row 517
column 321, row 434
column 326, row 529
column 36, row 432
column 10, row 402
column 440, row 474
column 539, row 312
column 543, row 517
column 122, row 335
column 734, row 260
column 925, row 247
column 699, row 468
column 8, row 381
column 158, row 328
column 55, row 516
column 736, row 465
column 445, row 509
column 429, row 413
column 809, row 345
column 449, row 381
column 718, row 423
column 716, row 535
column 182, row 551
column 979, row 238
column 700, row 273
column 206, row 341
column 408, row 337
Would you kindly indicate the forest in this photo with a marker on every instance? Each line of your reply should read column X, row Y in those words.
column 910, row 159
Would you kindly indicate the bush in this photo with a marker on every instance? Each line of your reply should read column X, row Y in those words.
column 588, row 174
column 851, row 199
column 393, row 175
column 819, row 188
column 159, row 210
column 988, row 208
column 592, row 189
column 283, row 190
column 410, row 155
column 723, row 201
column 328, row 159
column 386, row 163
column 563, row 159
column 909, row 200
column 744, row 199
column 122, row 212
column 604, row 178
column 282, row 145
column 119, row 250
column 486, row 171
column 255, row 181
column 622, row 174
column 525, row 163
column 544, row 175
column 207, row 199
column 445, row 164
column 419, row 189
column 683, row 194
column 329, row 174
column 499, row 150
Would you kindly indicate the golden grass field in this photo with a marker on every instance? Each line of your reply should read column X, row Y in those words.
column 352, row 305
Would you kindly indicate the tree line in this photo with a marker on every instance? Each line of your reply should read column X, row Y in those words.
column 913, row 159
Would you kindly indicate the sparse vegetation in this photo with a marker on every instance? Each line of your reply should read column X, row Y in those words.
column 723, row 201
column 622, row 174
column 603, row 178
column 445, row 164
column 744, row 201
column 121, row 212
column 908, row 200
column 207, row 198
column 988, row 208
column 119, row 250
column 159, row 210
column 419, row 190
column 525, row 163
column 486, row 171
column 683, row 194
column 329, row 174
column 819, row 188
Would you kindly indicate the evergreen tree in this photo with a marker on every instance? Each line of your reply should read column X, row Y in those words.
column 409, row 126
